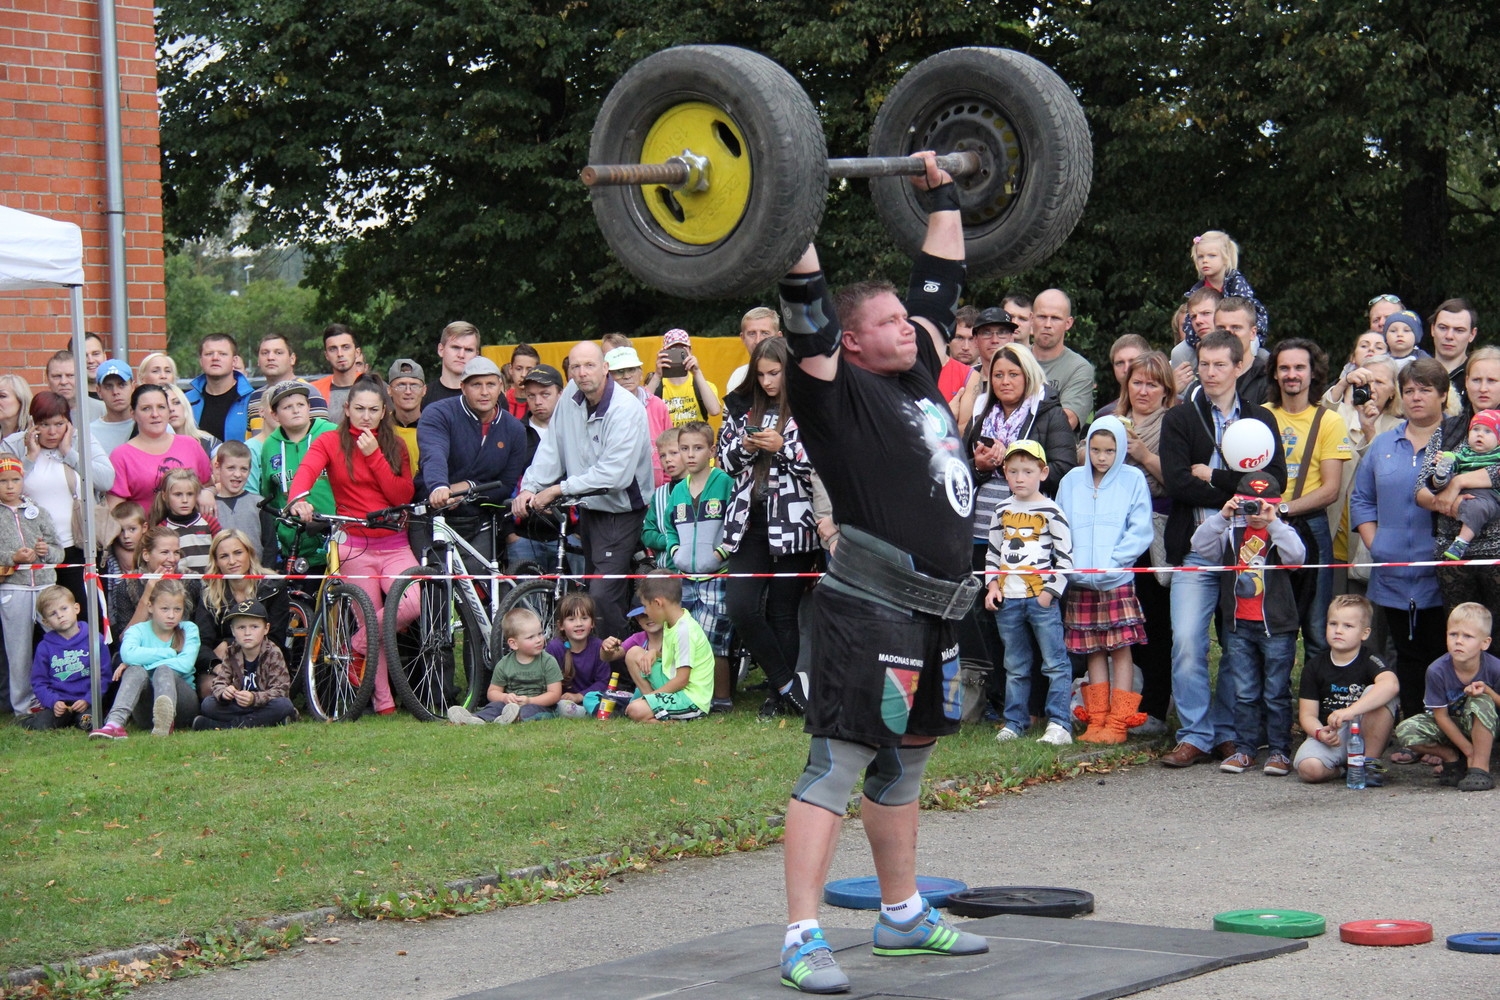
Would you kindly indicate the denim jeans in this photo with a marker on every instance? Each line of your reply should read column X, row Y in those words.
column 1018, row 619
column 1206, row 720
column 1259, row 669
column 1314, row 617
column 525, row 550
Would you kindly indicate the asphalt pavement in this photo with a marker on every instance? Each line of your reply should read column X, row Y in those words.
column 1159, row 847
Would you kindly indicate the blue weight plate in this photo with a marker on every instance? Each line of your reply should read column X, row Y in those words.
column 864, row 893
column 1478, row 943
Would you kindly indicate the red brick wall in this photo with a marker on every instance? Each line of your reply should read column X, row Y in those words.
column 52, row 164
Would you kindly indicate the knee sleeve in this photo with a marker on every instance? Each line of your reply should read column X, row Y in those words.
column 833, row 767
column 894, row 777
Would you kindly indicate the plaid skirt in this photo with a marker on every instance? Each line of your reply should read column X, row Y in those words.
column 1099, row 621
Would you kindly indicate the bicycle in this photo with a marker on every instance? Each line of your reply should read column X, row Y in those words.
column 542, row 595
column 456, row 613
column 336, row 683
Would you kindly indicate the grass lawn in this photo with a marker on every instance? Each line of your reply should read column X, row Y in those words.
column 109, row 844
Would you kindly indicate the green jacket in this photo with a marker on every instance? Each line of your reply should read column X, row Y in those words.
column 279, row 459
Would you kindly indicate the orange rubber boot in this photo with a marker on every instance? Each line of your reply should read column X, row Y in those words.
column 1096, row 703
column 1122, row 709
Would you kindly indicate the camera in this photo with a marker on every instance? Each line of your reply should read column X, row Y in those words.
column 1249, row 508
column 1360, row 395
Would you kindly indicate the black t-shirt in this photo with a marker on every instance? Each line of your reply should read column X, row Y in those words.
column 216, row 411
column 437, row 392
column 889, row 454
column 1334, row 687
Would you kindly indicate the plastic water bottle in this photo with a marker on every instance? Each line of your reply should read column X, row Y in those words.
column 1354, row 766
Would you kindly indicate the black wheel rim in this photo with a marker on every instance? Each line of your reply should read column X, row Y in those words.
column 331, row 690
column 425, row 649
column 976, row 124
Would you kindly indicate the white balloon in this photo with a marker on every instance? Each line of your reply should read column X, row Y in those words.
column 1248, row 445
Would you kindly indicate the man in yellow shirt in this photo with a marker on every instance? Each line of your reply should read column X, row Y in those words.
column 680, row 382
column 1316, row 442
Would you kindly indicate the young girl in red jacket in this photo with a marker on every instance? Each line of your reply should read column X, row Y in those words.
column 369, row 468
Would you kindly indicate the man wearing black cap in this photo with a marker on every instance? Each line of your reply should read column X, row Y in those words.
column 467, row 439
column 535, row 539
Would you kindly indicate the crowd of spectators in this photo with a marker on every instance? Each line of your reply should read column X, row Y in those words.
column 1382, row 457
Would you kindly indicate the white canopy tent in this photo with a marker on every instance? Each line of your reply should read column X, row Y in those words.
column 37, row 252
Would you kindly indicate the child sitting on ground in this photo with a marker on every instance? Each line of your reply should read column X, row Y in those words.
column 1108, row 506
column 1480, row 451
column 1260, row 617
column 61, row 674
column 237, row 506
column 695, row 545
column 526, row 683
column 578, row 650
column 681, row 687
column 1346, row 684
column 658, row 511
column 27, row 537
column 250, row 683
column 161, row 651
column 641, row 651
column 1463, row 688
column 1031, row 539
column 176, row 507
column 130, row 525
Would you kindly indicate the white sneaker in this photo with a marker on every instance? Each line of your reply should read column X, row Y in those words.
column 1056, row 735
column 1006, row 734
column 508, row 714
column 460, row 716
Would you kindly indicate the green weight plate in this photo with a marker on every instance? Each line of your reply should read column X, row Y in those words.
column 1271, row 923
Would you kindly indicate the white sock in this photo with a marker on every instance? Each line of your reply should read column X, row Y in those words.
column 905, row 911
column 794, row 932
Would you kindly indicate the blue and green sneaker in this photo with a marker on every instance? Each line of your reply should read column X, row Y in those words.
column 811, row 967
column 929, row 934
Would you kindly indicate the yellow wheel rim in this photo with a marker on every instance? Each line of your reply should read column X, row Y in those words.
column 699, row 217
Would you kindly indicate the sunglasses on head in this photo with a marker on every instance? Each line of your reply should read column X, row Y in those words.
column 1393, row 299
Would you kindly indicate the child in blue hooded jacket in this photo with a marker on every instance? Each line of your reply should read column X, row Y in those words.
column 1108, row 503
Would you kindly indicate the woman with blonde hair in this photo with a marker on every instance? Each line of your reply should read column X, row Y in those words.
column 236, row 578
column 180, row 419
column 156, row 369
column 15, row 405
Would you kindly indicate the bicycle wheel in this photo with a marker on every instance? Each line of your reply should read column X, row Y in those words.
column 442, row 658
column 539, row 596
column 339, row 681
column 299, row 622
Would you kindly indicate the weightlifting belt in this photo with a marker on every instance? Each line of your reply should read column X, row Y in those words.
column 866, row 563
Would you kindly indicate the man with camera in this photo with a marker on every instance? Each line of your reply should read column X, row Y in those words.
column 1316, row 442
column 1200, row 482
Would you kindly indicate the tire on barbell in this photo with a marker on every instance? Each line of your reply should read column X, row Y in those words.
column 1027, row 125
column 781, row 163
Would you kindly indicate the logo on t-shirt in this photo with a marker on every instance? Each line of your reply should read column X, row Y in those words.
column 938, row 435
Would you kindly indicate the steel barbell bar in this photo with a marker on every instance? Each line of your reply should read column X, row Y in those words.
column 680, row 171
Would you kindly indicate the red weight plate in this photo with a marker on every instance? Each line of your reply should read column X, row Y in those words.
column 1385, row 932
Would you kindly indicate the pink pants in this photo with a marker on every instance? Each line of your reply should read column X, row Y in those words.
column 380, row 560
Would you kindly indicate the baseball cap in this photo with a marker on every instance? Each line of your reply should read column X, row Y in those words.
column 544, row 375
column 1260, row 486
column 635, row 612
column 480, row 365
column 248, row 609
column 622, row 358
column 1487, row 418
column 115, row 367
column 675, row 336
column 405, row 368
column 992, row 316
column 289, row 387
column 1026, row 446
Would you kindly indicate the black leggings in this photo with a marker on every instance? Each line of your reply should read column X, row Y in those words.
column 1420, row 637
column 1154, row 657
column 764, row 611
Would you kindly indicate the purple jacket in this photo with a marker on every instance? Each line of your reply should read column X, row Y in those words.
column 60, row 667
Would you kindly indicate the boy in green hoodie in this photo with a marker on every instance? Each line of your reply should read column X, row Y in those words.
column 695, row 544
column 280, row 456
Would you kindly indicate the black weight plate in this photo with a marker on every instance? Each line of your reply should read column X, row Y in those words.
column 1030, row 900
column 1033, row 141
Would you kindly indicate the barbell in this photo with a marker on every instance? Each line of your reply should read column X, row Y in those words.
column 709, row 171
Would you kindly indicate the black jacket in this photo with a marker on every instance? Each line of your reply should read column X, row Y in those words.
column 1049, row 427
column 1187, row 440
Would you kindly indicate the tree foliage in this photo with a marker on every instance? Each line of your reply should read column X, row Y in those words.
column 425, row 152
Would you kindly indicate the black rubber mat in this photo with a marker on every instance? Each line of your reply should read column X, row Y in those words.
column 1030, row 958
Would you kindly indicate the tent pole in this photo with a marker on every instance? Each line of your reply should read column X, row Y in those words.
column 91, row 589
